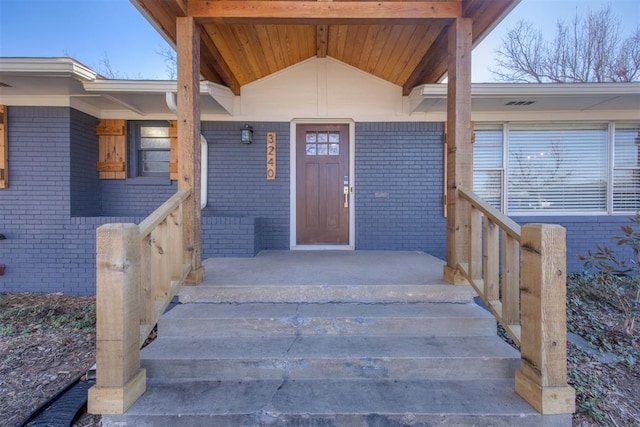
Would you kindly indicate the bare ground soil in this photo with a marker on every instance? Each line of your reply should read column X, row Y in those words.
column 48, row 340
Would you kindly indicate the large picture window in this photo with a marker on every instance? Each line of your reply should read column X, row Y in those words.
column 568, row 168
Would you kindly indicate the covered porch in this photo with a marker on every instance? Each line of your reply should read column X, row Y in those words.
column 141, row 267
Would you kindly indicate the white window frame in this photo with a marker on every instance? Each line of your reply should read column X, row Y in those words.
column 610, row 162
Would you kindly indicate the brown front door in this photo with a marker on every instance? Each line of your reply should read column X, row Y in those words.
column 322, row 162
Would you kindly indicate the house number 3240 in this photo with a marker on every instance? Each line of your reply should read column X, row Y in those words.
column 271, row 156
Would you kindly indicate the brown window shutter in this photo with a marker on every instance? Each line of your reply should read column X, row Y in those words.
column 112, row 151
column 4, row 149
column 173, row 154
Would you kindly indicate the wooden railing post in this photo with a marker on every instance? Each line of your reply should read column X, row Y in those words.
column 542, row 377
column 120, row 381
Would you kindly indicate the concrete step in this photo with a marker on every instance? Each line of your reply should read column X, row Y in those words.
column 281, row 319
column 350, row 293
column 331, row 357
column 340, row 403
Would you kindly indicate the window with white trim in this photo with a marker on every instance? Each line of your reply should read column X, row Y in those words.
column 488, row 164
column 626, row 169
column 558, row 168
column 150, row 150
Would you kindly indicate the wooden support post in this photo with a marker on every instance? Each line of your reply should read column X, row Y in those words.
column 542, row 377
column 188, row 52
column 459, row 168
column 119, row 379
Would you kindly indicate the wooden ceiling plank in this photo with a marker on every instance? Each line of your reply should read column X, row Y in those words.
column 252, row 49
column 274, row 39
column 432, row 66
column 376, row 50
column 227, row 69
column 321, row 12
column 369, row 44
column 350, row 48
column 213, row 57
column 337, row 40
column 221, row 37
column 388, row 46
column 397, row 54
column 426, row 38
column 268, row 47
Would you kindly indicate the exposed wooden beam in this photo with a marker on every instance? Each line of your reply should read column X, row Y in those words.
column 188, row 37
column 212, row 57
column 432, row 67
column 322, row 40
column 321, row 12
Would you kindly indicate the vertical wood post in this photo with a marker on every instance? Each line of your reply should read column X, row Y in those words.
column 119, row 379
column 510, row 280
column 475, row 245
column 542, row 377
column 491, row 264
column 459, row 167
column 188, row 53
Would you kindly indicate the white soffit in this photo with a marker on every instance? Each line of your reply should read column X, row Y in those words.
column 523, row 97
column 64, row 81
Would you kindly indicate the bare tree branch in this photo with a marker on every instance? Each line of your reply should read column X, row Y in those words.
column 589, row 49
column 170, row 61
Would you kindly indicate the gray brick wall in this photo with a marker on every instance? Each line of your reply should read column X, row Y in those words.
column 85, row 184
column 55, row 201
column 399, row 187
column 237, row 179
column 583, row 233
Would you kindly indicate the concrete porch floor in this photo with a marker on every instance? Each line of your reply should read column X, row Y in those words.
column 326, row 276
column 337, row 267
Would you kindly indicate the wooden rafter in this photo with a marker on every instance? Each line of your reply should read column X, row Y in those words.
column 321, row 12
column 322, row 40
column 211, row 56
column 432, row 67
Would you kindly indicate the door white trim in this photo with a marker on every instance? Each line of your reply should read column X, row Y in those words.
column 293, row 184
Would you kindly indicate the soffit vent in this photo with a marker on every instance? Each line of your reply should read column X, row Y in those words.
column 519, row 103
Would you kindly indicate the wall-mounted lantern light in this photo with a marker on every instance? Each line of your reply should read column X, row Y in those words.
column 246, row 134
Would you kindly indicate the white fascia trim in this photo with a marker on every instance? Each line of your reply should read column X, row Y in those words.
column 488, row 90
column 221, row 94
column 48, row 67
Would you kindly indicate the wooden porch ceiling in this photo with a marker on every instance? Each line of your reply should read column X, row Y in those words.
column 403, row 42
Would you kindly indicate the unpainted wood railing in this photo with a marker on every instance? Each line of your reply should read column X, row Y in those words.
column 520, row 274
column 139, row 270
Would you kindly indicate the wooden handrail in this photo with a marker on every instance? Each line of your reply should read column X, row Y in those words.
column 139, row 270
column 149, row 223
column 506, row 224
column 527, row 298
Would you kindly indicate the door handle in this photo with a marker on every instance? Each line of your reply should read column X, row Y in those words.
column 346, row 196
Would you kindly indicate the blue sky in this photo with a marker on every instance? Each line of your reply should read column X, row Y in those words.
column 90, row 30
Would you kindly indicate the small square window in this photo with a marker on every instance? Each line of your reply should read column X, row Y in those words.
column 150, row 149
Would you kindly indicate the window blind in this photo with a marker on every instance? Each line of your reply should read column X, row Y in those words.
column 626, row 170
column 487, row 164
column 557, row 168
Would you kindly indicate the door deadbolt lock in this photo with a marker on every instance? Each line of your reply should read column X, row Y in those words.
column 346, row 196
